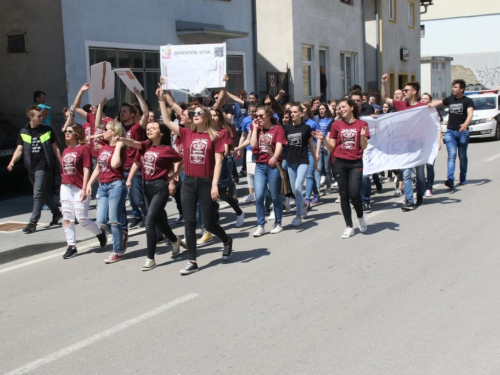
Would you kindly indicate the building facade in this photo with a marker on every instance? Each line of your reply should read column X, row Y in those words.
column 296, row 37
column 54, row 53
column 467, row 33
column 392, row 43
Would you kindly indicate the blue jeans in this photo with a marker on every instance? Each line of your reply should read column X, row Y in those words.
column 136, row 196
column 313, row 177
column 324, row 165
column 408, row 183
column 457, row 140
column 297, row 174
column 111, row 204
column 366, row 188
column 264, row 176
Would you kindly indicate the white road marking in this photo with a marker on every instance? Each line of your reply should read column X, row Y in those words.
column 493, row 158
column 93, row 339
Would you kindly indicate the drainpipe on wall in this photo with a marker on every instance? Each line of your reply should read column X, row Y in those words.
column 254, row 34
column 377, row 54
column 365, row 87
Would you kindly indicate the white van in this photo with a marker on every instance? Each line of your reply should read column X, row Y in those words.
column 486, row 119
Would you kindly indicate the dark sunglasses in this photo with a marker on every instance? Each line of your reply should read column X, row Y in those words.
column 193, row 113
column 68, row 132
column 268, row 103
column 405, row 90
column 261, row 116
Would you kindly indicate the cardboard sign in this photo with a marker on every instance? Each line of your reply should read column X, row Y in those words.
column 129, row 79
column 102, row 81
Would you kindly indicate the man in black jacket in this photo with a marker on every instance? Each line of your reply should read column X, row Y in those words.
column 38, row 147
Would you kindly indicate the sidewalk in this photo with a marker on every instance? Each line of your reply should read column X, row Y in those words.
column 17, row 245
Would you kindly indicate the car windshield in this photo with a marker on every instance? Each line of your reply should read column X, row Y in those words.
column 482, row 104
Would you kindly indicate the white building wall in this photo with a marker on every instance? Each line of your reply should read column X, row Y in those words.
column 147, row 24
column 425, row 77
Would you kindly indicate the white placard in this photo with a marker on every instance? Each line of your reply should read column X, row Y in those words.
column 193, row 68
column 401, row 140
column 102, row 83
column 129, row 79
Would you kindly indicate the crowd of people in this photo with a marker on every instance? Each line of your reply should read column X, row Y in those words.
column 190, row 155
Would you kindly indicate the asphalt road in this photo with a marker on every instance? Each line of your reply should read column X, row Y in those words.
column 416, row 294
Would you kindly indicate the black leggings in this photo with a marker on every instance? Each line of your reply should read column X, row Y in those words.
column 196, row 189
column 156, row 197
column 348, row 174
column 177, row 197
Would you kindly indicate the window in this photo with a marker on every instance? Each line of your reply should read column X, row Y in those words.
column 348, row 71
column 236, row 72
column 16, row 43
column 411, row 14
column 306, row 71
column 422, row 31
column 346, row 1
column 144, row 64
column 413, row 78
column 392, row 10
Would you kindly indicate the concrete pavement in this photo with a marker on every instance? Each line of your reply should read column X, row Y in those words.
column 416, row 294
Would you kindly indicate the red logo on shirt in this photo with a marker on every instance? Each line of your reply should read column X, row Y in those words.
column 198, row 151
column 69, row 163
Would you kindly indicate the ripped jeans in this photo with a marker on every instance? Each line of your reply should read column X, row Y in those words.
column 111, row 212
column 73, row 207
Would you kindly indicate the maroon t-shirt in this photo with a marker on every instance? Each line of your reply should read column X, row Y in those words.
column 199, row 153
column 137, row 133
column 92, row 130
column 157, row 160
column 73, row 160
column 401, row 105
column 347, row 139
column 106, row 172
column 274, row 135
column 225, row 136
column 178, row 145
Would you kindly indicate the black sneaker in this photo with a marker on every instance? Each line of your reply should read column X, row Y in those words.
column 228, row 249
column 243, row 173
column 449, row 183
column 367, row 208
column 408, row 206
column 70, row 252
column 160, row 237
column 378, row 185
column 420, row 201
column 55, row 218
column 190, row 268
column 142, row 224
column 30, row 228
column 103, row 238
column 135, row 223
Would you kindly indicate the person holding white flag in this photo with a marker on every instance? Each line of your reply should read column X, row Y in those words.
column 410, row 100
column 347, row 140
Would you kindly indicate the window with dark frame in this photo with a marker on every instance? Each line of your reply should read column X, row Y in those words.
column 16, row 43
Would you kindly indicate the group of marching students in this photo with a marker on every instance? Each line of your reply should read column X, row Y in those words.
column 193, row 149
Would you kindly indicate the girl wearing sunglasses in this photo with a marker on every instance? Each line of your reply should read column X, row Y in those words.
column 203, row 155
column 75, row 166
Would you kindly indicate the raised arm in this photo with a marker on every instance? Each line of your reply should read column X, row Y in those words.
column 144, row 108
column 99, row 113
column 116, row 158
column 435, row 103
column 174, row 128
column 78, row 99
column 280, row 94
column 171, row 102
column 69, row 120
column 130, row 142
column 383, row 90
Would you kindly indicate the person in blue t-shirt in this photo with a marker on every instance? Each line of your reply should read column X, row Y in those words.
column 324, row 120
column 245, row 147
column 313, row 176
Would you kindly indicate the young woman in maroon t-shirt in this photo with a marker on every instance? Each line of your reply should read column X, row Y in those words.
column 75, row 166
column 347, row 139
column 203, row 154
column 159, row 160
column 112, row 191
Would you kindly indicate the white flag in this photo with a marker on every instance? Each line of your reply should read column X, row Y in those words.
column 401, row 140
column 193, row 68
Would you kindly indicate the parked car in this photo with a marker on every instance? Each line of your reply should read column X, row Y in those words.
column 486, row 119
column 8, row 144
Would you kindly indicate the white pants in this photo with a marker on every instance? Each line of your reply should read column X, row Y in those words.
column 72, row 206
column 250, row 169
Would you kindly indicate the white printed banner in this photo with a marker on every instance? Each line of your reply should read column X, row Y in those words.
column 400, row 140
column 193, row 68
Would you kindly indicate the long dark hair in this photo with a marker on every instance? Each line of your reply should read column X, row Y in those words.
column 328, row 113
column 165, row 135
column 351, row 103
column 274, row 104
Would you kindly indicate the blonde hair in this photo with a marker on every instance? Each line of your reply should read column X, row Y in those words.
column 209, row 128
column 117, row 128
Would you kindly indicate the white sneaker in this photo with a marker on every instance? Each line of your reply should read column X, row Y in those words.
column 271, row 216
column 322, row 180
column 287, row 205
column 250, row 198
column 240, row 220
column 335, row 184
column 349, row 232
column 260, row 231
column 428, row 193
column 276, row 229
column 176, row 247
column 296, row 221
column 362, row 225
column 305, row 209
column 337, row 200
